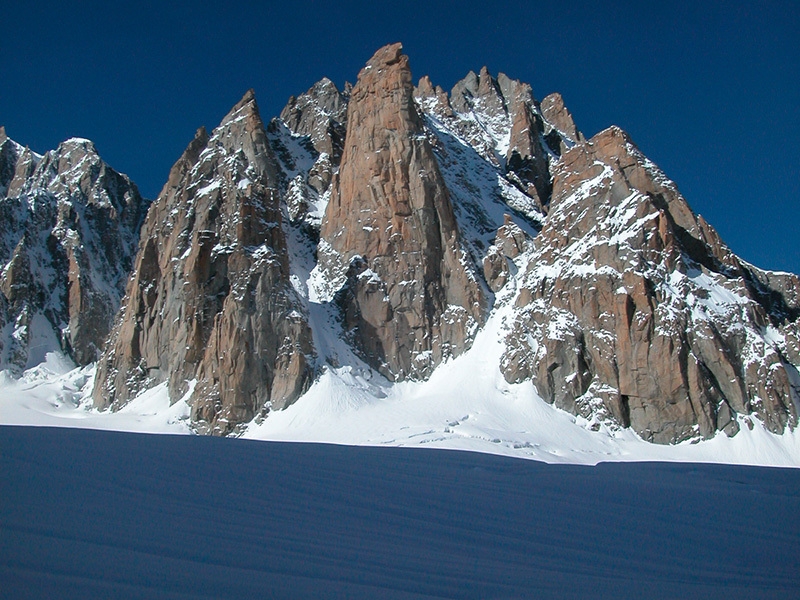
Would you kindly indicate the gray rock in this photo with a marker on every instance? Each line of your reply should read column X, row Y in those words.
column 321, row 114
column 70, row 233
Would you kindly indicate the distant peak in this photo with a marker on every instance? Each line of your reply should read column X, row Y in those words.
column 325, row 83
column 78, row 142
column 3, row 136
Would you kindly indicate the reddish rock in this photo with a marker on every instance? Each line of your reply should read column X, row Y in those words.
column 411, row 300
column 633, row 310
column 210, row 309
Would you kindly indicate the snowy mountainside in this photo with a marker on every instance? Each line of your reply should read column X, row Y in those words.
column 633, row 310
column 70, row 231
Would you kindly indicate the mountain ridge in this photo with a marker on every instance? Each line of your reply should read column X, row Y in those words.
column 539, row 223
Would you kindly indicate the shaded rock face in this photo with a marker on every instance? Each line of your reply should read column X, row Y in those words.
column 311, row 126
column 320, row 114
column 410, row 298
column 529, row 142
column 209, row 308
column 633, row 311
column 70, row 231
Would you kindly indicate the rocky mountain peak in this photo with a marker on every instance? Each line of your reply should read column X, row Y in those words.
column 210, row 309
column 433, row 98
column 388, row 55
column 389, row 232
column 71, row 224
column 480, row 93
column 321, row 114
column 557, row 114
column 633, row 310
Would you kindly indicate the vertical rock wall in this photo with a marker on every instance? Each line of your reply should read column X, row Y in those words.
column 411, row 299
column 210, row 309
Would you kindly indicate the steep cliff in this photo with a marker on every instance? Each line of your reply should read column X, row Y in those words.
column 410, row 298
column 633, row 310
column 209, row 308
column 378, row 228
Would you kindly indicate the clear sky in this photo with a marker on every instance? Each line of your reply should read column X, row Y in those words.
column 709, row 91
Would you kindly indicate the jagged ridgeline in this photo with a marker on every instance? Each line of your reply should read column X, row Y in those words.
column 394, row 221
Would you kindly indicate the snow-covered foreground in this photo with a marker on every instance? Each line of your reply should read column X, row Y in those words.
column 96, row 514
column 466, row 405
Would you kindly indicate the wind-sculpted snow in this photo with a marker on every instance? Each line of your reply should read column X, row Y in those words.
column 202, row 517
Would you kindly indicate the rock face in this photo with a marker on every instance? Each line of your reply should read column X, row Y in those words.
column 632, row 310
column 410, row 298
column 525, row 143
column 312, row 127
column 70, row 229
column 321, row 114
column 209, row 308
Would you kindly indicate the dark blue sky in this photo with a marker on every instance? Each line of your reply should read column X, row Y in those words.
column 711, row 94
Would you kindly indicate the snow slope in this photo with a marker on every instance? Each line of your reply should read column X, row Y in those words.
column 465, row 405
column 200, row 517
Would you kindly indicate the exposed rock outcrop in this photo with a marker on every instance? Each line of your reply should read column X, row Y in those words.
column 308, row 139
column 70, row 229
column 209, row 308
column 411, row 299
column 633, row 310
column 558, row 116
column 321, row 114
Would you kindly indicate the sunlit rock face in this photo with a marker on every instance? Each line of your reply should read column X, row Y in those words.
column 410, row 298
column 632, row 309
column 209, row 308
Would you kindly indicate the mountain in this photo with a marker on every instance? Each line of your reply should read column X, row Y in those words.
column 632, row 309
column 410, row 297
column 210, row 307
column 70, row 229
column 396, row 241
